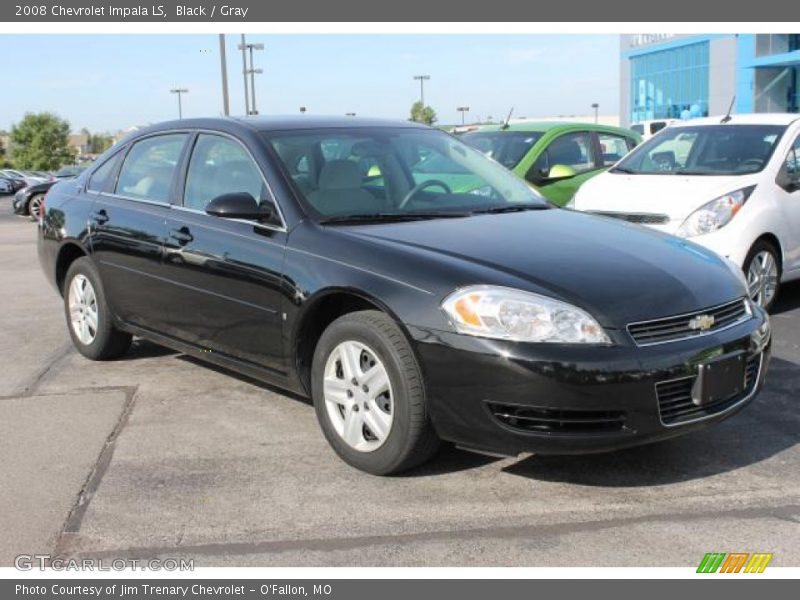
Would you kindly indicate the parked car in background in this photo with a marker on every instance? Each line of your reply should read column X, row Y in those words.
column 16, row 183
column 730, row 184
column 648, row 129
column 29, row 200
column 28, row 179
column 6, row 186
column 555, row 158
column 69, row 172
column 408, row 312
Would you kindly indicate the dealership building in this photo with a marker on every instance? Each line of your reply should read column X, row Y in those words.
column 666, row 76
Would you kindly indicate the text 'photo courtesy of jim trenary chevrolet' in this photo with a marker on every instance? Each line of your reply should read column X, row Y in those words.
column 323, row 304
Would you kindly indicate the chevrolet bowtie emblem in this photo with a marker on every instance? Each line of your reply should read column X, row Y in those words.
column 702, row 322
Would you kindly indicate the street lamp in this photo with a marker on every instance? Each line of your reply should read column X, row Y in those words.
column 462, row 110
column 303, row 110
column 179, row 91
column 422, row 79
column 595, row 106
column 252, row 72
column 349, row 114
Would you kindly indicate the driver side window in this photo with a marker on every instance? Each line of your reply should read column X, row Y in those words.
column 219, row 166
column 573, row 150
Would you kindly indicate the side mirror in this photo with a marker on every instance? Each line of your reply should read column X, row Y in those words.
column 238, row 205
column 558, row 172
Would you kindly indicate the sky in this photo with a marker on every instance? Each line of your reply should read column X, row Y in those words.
column 108, row 83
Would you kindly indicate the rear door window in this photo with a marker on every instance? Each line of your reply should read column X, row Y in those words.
column 149, row 168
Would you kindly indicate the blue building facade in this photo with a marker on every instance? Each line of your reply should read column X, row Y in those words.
column 685, row 76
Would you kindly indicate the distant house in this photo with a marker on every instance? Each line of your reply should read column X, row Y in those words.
column 79, row 142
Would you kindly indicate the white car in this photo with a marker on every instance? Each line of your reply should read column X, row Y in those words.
column 648, row 129
column 731, row 184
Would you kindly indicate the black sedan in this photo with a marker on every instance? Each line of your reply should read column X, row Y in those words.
column 328, row 257
column 29, row 200
column 10, row 185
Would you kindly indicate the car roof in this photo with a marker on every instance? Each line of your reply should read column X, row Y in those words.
column 747, row 119
column 545, row 126
column 279, row 123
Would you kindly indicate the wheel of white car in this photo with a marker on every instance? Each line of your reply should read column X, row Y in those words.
column 762, row 268
column 369, row 395
column 88, row 316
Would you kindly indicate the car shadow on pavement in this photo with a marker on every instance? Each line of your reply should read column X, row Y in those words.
column 788, row 298
column 145, row 349
column 768, row 426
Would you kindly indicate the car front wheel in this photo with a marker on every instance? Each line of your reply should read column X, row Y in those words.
column 35, row 206
column 762, row 268
column 88, row 317
column 369, row 395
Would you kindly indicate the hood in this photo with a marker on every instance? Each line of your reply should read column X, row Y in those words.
column 676, row 196
column 619, row 272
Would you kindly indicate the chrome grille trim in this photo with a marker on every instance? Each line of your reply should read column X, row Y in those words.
column 676, row 328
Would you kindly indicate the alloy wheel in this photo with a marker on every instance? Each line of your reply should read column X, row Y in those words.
column 35, row 207
column 358, row 396
column 83, row 309
column 762, row 278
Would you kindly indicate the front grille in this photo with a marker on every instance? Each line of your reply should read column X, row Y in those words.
column 641, row 218
column 671, row 329
column 675, row 403
column 552, row 420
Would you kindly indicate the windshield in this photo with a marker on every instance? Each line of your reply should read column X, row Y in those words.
column 704, row 150
column 402, row 171
column 506, row 147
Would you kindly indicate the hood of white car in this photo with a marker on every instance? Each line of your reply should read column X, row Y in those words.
column 676, row 196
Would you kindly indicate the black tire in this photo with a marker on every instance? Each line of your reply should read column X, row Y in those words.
column 411, row 440
column 109, row 342
column 35, row 200
column 759, row 247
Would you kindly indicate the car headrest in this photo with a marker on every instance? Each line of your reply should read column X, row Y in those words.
column 340, row 175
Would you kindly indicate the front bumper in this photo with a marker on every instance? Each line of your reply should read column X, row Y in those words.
column 505, row 398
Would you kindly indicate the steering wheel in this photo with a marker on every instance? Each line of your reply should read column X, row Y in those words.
column 421, row 186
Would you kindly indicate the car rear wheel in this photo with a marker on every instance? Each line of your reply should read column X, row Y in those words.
column 369, row 395
column 762, row 268
column 35, row 205
column 88, row 317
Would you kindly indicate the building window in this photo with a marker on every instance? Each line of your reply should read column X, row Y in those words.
column 776, row 43
column 670, row 84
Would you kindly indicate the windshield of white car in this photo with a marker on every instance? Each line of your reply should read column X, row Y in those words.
column 723, row 149
column 506, row 147
column 384, row 172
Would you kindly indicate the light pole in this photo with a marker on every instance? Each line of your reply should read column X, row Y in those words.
column 303, row 110
column 349, row 114
column 422, row 79
column 179, row 91
column 243, row 48
column 595, row 106
column 463, row 110
column 223, row 65
column 252, row 72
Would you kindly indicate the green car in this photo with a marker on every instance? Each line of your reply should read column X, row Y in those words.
column 555, row 158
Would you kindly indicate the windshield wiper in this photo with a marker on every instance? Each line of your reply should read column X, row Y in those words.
column 389, row 217
column 623, row 170
column 685, row 172
column 494, row 210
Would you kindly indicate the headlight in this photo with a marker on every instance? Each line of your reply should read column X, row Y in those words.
column 509, row 314
column 715, row 214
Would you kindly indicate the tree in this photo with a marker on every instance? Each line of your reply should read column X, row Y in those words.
column 422, row 114
column 41, row 142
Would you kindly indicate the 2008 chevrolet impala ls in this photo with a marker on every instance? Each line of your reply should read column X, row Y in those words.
column 331, row 257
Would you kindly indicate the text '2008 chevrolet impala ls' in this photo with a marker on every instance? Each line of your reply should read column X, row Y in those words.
column 331, row 257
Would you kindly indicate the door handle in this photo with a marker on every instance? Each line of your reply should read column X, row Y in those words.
column 100, row 217
column 183, row 236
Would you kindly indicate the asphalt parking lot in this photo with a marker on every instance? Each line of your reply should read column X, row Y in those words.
column 157, row 455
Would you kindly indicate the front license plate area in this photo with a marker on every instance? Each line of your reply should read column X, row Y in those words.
column 719, row 379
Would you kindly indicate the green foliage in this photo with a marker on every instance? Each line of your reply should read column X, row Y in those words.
column 40, row 142
column 423, row 114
